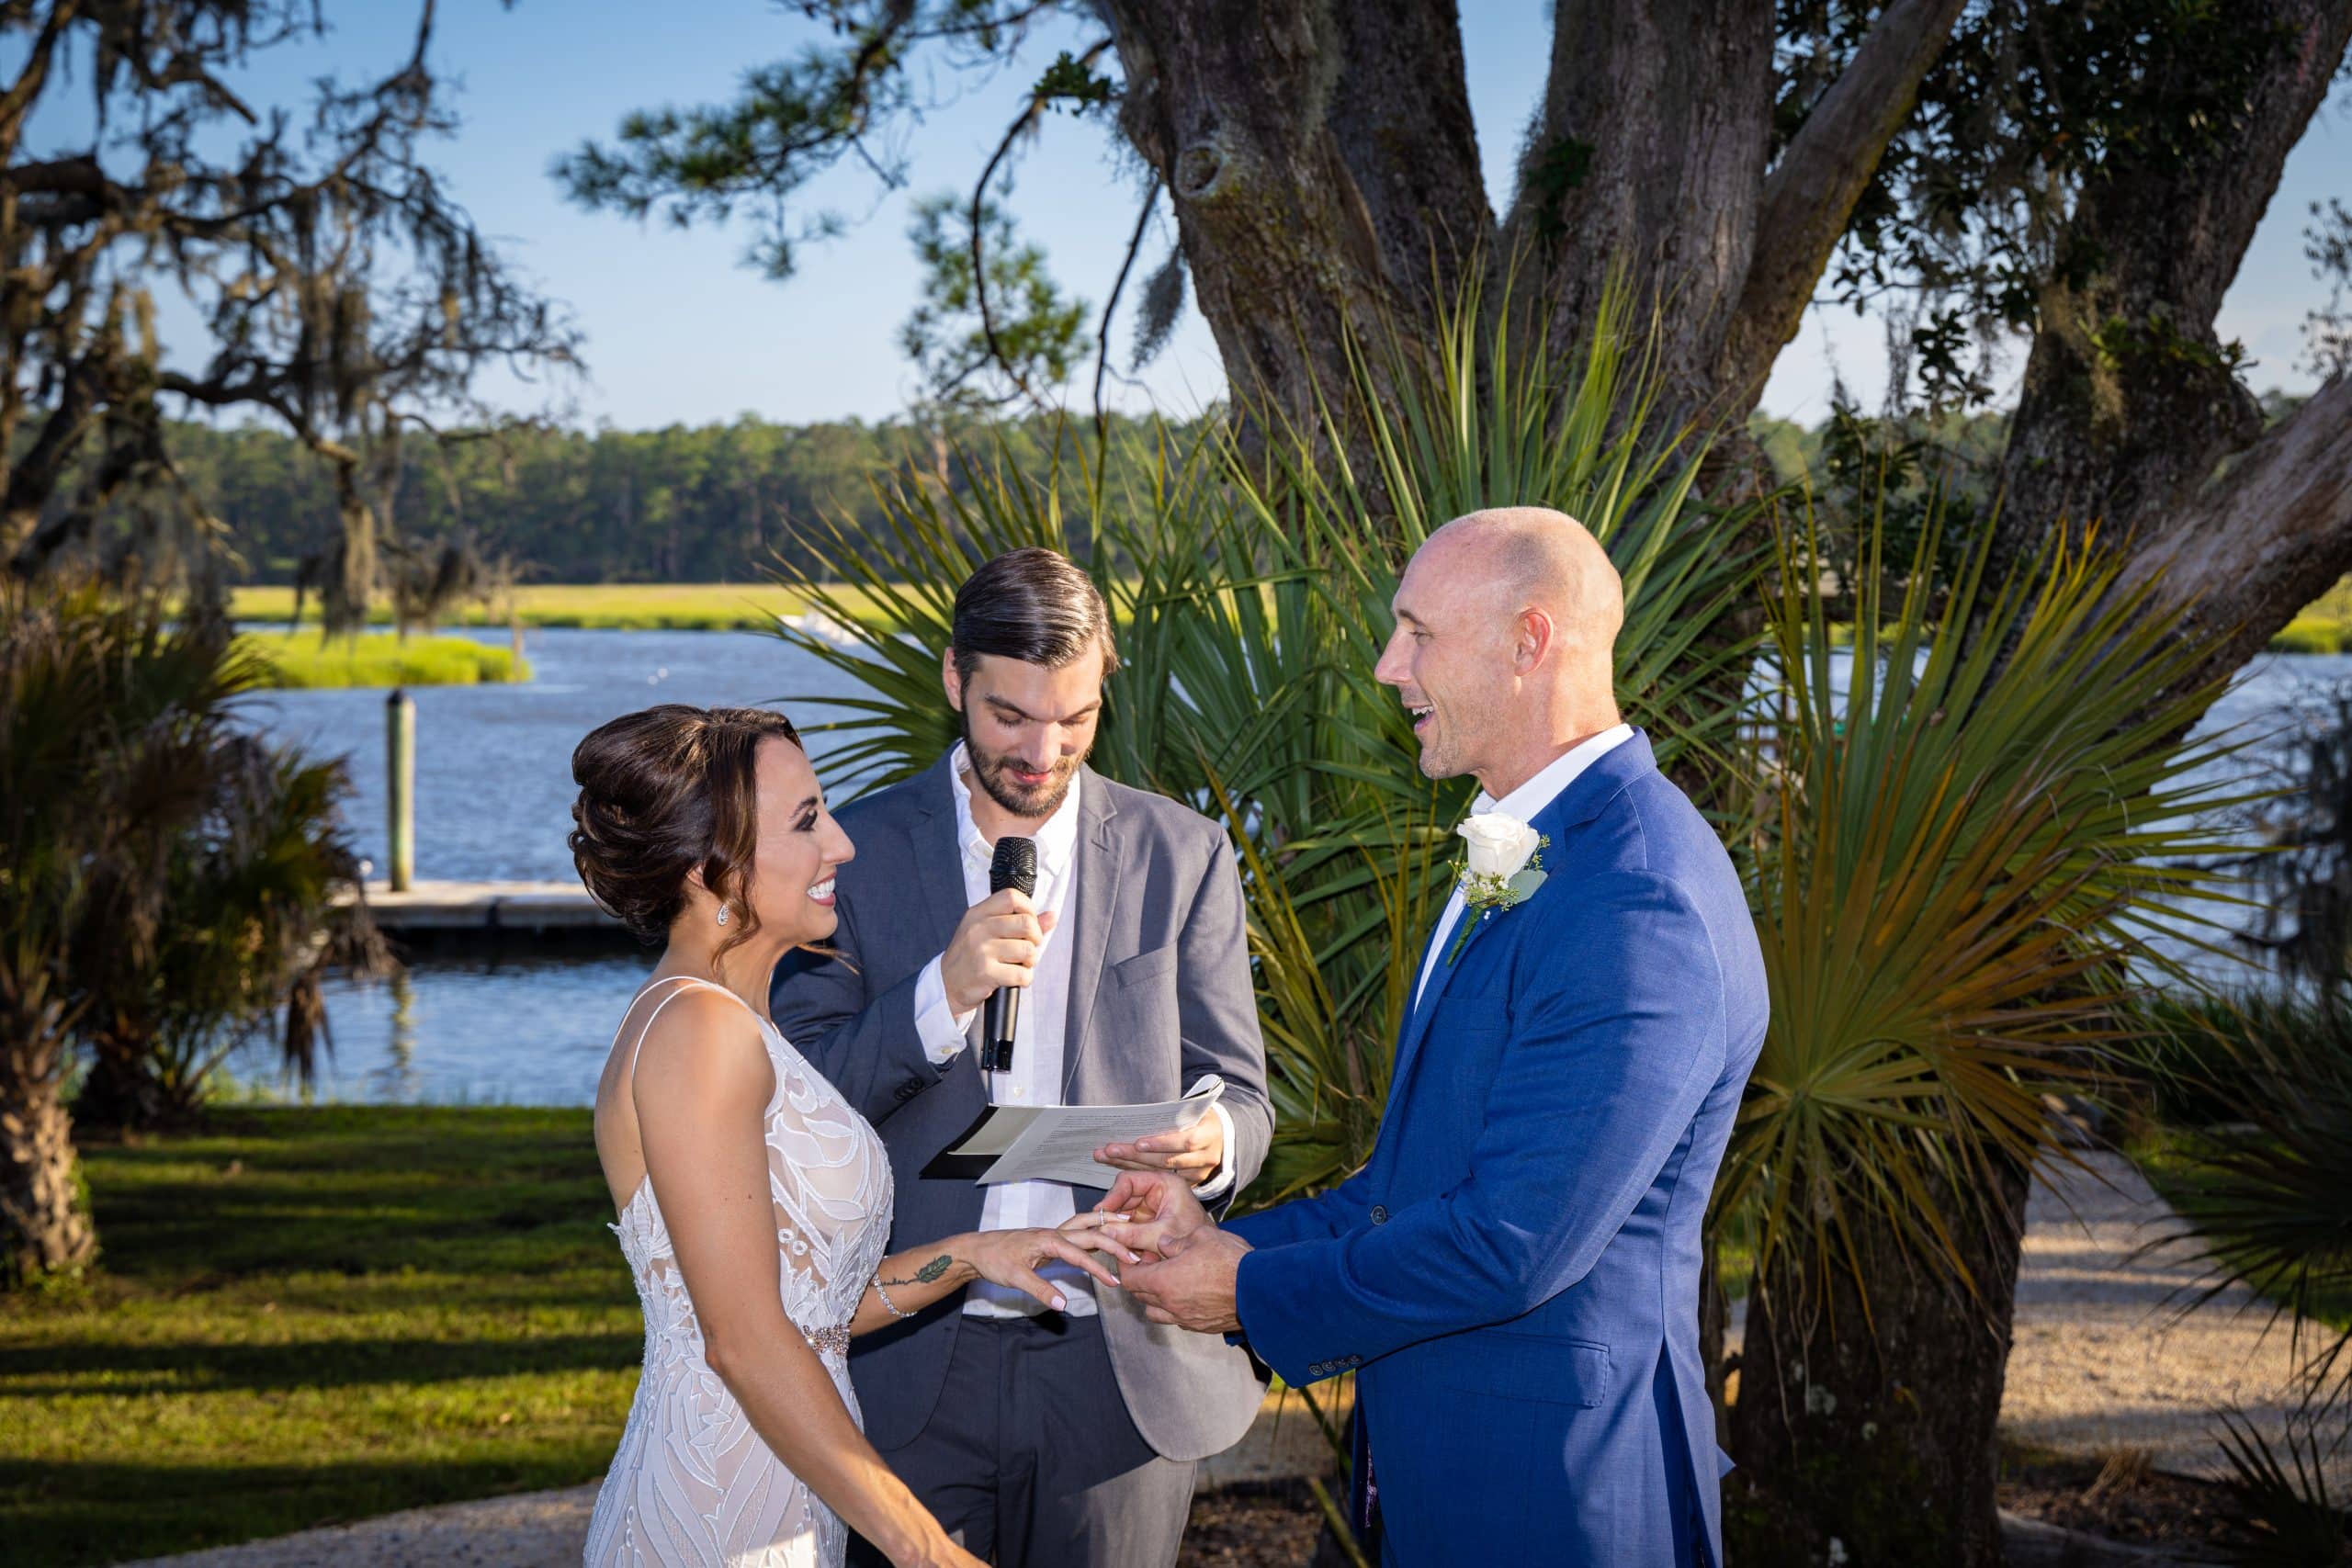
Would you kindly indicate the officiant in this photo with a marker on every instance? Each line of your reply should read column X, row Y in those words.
column 1040, row 1438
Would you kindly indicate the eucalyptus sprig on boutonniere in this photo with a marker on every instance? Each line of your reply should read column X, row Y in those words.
column 1503, row 869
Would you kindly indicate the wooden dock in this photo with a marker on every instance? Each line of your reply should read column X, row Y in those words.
column 521, row 907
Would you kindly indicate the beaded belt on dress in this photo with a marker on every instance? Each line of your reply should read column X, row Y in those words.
column 833, row 1340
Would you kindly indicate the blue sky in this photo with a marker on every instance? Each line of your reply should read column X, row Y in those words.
column 678, row 331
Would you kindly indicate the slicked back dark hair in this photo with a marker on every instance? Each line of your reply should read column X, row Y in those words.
column 1034, row 605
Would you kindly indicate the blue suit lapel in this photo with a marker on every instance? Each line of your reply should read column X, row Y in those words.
column 1570, row 809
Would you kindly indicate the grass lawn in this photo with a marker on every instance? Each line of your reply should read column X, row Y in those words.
column 309, row 1315
column 380, row 659
column 621, row 607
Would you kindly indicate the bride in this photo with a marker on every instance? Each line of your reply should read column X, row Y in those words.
column 755, row 1203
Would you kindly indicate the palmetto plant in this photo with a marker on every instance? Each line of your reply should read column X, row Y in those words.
column 1980, row 819
column 1977, row 841
column 98, row 759
column 249, row 915
column 2269, row 1181
column 165, row 881
column 1252, row 584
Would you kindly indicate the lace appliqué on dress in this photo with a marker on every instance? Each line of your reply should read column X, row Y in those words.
column 693, row 1482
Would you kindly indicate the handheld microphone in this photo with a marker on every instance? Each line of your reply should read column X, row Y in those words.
column 1014, row 865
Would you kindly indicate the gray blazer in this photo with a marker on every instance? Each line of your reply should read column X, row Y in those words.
column 1160, row 994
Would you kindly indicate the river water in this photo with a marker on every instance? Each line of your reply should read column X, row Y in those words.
column 494, row 790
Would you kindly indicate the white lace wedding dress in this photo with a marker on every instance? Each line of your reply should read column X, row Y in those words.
column 693, row 1482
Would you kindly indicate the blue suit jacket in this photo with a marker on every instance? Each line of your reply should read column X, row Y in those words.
column 1514, row 1274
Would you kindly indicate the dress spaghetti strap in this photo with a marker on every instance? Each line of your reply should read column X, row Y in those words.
column 687, row 982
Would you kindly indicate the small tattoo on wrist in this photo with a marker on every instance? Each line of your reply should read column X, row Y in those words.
column 928, row 1272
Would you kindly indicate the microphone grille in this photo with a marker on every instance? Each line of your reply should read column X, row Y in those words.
column 1014, row 865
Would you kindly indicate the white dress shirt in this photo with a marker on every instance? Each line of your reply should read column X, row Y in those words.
column 1521, row 805
column 1039, row 1051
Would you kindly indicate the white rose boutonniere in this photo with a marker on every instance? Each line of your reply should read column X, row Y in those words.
column 1504, row 867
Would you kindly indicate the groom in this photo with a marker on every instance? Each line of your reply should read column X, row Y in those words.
column 1514, row 1274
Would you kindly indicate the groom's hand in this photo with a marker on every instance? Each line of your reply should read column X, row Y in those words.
column 1194, row 1285
column 1196, row 1153
column 1162, row 1211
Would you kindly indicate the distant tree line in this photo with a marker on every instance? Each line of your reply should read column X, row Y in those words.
column 699, row 503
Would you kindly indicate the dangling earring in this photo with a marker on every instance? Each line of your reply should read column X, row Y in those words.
column 722, row 914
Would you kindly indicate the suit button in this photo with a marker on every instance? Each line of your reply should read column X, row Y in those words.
column 1380, row 1214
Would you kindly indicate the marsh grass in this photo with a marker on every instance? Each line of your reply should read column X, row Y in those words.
column 603, row 606
column 2323, row 627
column 309, row 1315
column 302, row 659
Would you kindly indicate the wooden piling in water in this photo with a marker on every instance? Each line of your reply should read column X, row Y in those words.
column 400, row 765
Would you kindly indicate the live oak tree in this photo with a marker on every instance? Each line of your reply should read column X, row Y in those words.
column 2081, row 177
column 340, row 291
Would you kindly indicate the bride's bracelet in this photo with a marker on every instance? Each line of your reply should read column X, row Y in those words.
column 888, row 1305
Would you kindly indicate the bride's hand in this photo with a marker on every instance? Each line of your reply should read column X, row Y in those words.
column 1153, row 1211
column 944, row 1554
column 1012, row 1258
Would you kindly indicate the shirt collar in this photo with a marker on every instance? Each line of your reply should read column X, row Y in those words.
column 1522, row 804
column 1057, row 838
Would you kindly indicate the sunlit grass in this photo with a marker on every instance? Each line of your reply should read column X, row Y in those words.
column 2323, row 627
column 307, row 1315
column 606, row 606
column 302, row 658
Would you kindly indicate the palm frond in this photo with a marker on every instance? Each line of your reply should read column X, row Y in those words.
column 1971, row 859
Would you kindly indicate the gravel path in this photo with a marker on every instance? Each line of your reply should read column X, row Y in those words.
column 532, row 1529
column 2103, row 1359
column 548, row 1530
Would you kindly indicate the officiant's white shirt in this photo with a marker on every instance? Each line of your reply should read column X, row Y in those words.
column 1521, row 805
column 1038, row 1054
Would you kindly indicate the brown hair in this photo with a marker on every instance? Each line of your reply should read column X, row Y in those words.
column 665, row 792
column 1034, row 605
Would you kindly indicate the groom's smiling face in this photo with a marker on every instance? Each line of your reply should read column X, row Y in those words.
column 1449, row 658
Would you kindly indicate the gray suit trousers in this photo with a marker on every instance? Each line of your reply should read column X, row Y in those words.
column 1031, row 1460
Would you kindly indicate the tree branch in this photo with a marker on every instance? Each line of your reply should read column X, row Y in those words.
column 35, row 75
column 1809, row 196
column 2130, row 398
column 1102, row 335
column 1025, row 121
column 2265, row 538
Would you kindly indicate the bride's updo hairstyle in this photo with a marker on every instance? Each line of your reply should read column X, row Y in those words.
column 661, row 793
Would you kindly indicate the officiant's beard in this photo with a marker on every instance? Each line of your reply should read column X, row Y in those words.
column 1029, row 801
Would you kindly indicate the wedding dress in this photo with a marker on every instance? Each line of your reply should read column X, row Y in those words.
column 693, row 1482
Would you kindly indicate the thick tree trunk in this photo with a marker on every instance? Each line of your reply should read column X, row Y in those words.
column 1649, row 156
column 1323, row 167
column 120, row 1089
column 1868, row 1419
column 43, row 1227
column 2128, row 401
column 1652, row 155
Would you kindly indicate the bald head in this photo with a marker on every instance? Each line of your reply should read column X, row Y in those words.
column 1504, row 651
column 1541, row 559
